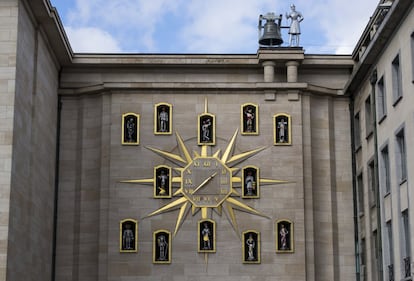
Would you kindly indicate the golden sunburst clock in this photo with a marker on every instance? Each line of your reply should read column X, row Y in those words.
column 206, row 182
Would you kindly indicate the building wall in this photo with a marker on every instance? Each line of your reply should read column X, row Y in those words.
column 32, row 178
column 8, row 35
column 398, row 115
column 92, row 200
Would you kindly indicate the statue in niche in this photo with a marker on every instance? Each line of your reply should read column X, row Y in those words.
column 162, row 248
column 206, row 233
column 284, row 236
column 249, row 116
column 128, row 237
column 282, row 130
column 251, row 244
column 130, row 127
column 130, row 132
column 282, row 126
column 206, row 130
column 163, row 118
column 250, row 184
column 163, row 182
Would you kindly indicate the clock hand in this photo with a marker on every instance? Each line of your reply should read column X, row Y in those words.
column 204, row 182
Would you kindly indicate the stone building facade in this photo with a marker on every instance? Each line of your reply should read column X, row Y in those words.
column 65, row 161
column 382, row 117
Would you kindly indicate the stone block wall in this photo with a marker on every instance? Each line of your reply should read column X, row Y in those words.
column 93, row 200
column 8, row 35
column 32, row 159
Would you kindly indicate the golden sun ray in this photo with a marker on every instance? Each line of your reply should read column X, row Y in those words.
column 170, row 156
column 138, row 181
column 188, row 196
column 168, row 207
column 183, row 148
column 243, row 207
column 181, row 215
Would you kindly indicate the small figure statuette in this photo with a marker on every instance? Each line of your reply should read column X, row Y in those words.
column 206, row 130
column 250, row 184
column 206, row 234
column 128, row 237
column 281, row 125
column 162, row 248
column 283, row 237
column 251, row 244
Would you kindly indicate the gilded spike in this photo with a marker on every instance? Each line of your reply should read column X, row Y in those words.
column 243, row 156
column 245, row 207
column 170, row 156
column 168, row 207
column 229, row 148
column 145, row 181
column 183, row 211
column 183, row 148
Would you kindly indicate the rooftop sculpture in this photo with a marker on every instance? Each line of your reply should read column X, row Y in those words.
column 269, row 33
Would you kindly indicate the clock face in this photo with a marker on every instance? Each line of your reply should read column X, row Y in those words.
column 206, row 182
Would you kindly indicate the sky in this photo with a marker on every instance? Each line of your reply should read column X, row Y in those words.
column 207, row 26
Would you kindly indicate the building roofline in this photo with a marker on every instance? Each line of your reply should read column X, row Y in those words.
column 374, row 40
column 47, row 17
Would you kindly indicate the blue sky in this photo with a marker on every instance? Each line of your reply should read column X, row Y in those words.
column 201, row 26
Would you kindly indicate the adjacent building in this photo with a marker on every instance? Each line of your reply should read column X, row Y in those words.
column 381, row 88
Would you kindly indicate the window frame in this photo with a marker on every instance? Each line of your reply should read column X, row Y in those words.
column 401, row 154
column 397, row 91
column 381, row 99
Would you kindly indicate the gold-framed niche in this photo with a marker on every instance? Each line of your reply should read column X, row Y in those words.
column 282, row 129
column 128, row 236
column 284, row 236
column 249, row 117
column 251, row 246
column 162, row 182
column 130, row 129
column 161, row 249
column 206, row 236
column 163, row 118
column 206, row 129
column 250, row 181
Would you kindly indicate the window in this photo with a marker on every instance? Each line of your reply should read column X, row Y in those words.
column 400, row 155
column 385, row 170
column 381, row 100
column 360, row 187
column 363, row 260
column 396, row 80
column 375, row 254
column 369, row 126
column 357, row 131
column 371, row 183
column 390, row 253
column 412, row 57
column 406, row 259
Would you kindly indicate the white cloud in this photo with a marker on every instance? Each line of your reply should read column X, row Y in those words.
column 214, row 26
column 223, row 26
column 342, row 22
column 131, row 22
column 92, row 40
